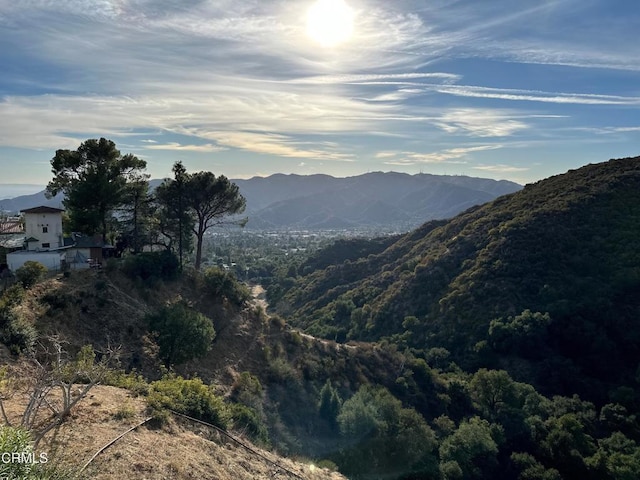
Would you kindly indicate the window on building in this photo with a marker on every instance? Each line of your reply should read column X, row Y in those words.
column 45, row 229
column 46, row 245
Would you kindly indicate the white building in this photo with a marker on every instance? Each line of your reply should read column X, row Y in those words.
column 43, row 239
column 43, row 228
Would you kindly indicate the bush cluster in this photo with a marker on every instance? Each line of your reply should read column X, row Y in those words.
column 15, row 332
column 189, row 397
column 221, row 284
column 30, row 273
column 181, row 333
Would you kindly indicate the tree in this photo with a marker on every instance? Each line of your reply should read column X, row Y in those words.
column 494, row 392
column 383, row 437
column 55, row 384
column 135, row 215
column 212, row 199
column 181, row 333
column 174, row 217
column 470, row 452
column 329, row 404
column 196, row 202
column 94, row 179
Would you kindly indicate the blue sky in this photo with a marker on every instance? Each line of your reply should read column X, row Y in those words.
column 516, row 90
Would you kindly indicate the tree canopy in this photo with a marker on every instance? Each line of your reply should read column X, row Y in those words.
column 197, row 202
column 94, row 179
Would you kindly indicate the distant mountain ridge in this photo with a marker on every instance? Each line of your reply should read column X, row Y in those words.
column 370, row 200
column 381, row 200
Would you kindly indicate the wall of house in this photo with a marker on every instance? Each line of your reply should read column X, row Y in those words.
column 51, row 260
column 46, row 227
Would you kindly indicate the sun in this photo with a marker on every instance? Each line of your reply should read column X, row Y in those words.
column 330, row 22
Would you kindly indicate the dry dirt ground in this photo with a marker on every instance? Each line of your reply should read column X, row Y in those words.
column 178, row 450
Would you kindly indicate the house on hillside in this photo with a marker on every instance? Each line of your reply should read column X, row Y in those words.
column 43, row 241
column 43, row 228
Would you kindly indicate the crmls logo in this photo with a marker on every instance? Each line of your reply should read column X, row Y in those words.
column 23, row 458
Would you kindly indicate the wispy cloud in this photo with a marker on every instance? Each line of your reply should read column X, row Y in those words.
column 398, row 78
column 501, row 168
column 480, row 123
column 450, row 155
column 536, row 96
column 270, row 144
column 208, row 147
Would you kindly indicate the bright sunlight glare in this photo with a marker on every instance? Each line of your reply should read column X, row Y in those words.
column 330, row 22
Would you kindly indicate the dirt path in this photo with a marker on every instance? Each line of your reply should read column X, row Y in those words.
column 259, row 299
column 259, row 295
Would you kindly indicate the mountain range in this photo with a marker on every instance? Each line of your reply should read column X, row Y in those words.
column 544, row 282
column 373, row 200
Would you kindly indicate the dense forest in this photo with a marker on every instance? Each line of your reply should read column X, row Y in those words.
column 498, row 344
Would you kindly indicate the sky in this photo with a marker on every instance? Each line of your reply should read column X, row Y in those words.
column 498, row 89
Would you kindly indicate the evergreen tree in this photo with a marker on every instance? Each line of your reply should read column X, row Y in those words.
column 175, row 219
column 94, row 179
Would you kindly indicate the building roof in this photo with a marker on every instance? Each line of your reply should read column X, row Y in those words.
column 10, row 226
column 42, row 209
column 30, row 253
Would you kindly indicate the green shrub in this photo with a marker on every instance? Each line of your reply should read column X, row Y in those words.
column 12, row 296
column 248, row 421
column 247, row 390
column 181, row 333
column 327, row 464
column 33, row 465
column 221, row 284
column 189, row 397
column 30, row 273
column 132, row 381
column 16, row 333
column 125, row 412
column 280, row 370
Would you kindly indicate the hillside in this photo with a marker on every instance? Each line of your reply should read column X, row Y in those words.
column 566, row 246
column 374, row 200
column 255, row 361
column 387, row 409
column 179, row 450
column 500, row 344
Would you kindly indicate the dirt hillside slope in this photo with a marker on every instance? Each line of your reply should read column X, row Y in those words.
column 179, row 450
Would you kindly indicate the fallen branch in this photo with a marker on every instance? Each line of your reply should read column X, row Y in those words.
column 112, row 442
